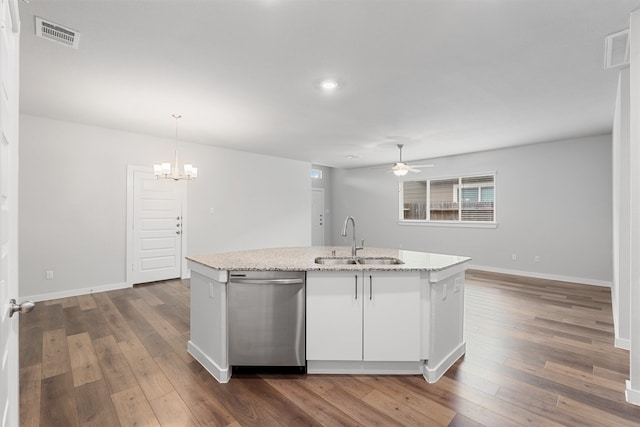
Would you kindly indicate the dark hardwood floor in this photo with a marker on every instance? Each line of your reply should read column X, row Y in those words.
column 538, row 353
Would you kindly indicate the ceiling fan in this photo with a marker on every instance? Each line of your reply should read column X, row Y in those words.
column 401, row 168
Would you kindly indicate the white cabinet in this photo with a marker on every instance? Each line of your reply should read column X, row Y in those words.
column 370, row 316
column 334, row 316
column 391, row 316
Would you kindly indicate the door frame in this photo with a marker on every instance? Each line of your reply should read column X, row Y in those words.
column 131, row 170
column 10, row 404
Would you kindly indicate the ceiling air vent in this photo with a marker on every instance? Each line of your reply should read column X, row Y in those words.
column 57, row 33
column 616, row 50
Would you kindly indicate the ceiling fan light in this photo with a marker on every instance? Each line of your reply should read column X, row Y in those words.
column 400, row 172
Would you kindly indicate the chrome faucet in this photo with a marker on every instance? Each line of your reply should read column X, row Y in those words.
column 354, row 248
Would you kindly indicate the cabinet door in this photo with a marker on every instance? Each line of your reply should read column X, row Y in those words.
column 334, row 316
column 391, row 316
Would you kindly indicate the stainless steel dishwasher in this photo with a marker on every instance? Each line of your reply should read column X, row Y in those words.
column 266, row 318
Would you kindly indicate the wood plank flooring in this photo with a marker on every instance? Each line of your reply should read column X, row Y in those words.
column 539, row 353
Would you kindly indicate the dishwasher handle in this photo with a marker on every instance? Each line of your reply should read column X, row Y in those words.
column 267, row 281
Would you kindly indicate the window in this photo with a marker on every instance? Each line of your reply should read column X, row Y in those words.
column 443, row 205
column 415, row 200
column 468, row 199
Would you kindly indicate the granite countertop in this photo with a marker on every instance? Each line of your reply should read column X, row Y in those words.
column 303, row 259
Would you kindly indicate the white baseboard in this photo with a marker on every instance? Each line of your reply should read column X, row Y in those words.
column 362, row 367
column 221, row 374
column 74, row 292
column 623, row 343
column 557, row 277
column 632, row 396
column 433, row 374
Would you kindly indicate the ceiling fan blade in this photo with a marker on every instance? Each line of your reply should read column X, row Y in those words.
column 414, row 170
column 423, row 166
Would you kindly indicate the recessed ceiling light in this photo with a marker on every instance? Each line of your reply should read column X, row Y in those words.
column 352, row 156
column 329, row 85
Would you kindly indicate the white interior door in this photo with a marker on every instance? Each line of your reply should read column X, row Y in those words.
column 9, row 58
column 156, row 227
column 317, row 220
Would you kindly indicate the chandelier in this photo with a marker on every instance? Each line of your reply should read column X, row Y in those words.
column 169, row 171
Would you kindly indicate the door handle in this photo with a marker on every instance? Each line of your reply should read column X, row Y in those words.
column 23, row 308
column 267, row 281
column 356, row 276
column 370, row 287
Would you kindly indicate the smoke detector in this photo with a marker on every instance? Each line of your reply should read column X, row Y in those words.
column 616, row 50
column 57, row 33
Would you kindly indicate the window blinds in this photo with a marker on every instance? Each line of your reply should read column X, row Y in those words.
column 474, row 208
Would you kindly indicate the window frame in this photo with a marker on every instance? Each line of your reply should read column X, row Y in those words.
column 448, row 223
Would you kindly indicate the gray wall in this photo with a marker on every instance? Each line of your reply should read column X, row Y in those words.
column 73, row 186
column 553, row 201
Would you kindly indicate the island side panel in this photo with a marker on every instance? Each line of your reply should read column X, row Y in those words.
column 425, row 316
column 208, row 340
column 446, row 320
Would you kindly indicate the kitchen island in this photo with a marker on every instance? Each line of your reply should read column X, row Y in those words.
column 372, row 316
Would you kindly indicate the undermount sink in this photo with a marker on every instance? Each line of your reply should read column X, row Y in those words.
column 380, row 261
column 335, row 260
column 359, row 260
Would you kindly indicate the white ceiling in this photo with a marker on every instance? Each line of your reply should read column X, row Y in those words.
column 441, row 76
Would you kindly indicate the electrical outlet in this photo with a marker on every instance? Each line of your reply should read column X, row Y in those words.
column 514, row 257
column 49, row 274
column 536, row 258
